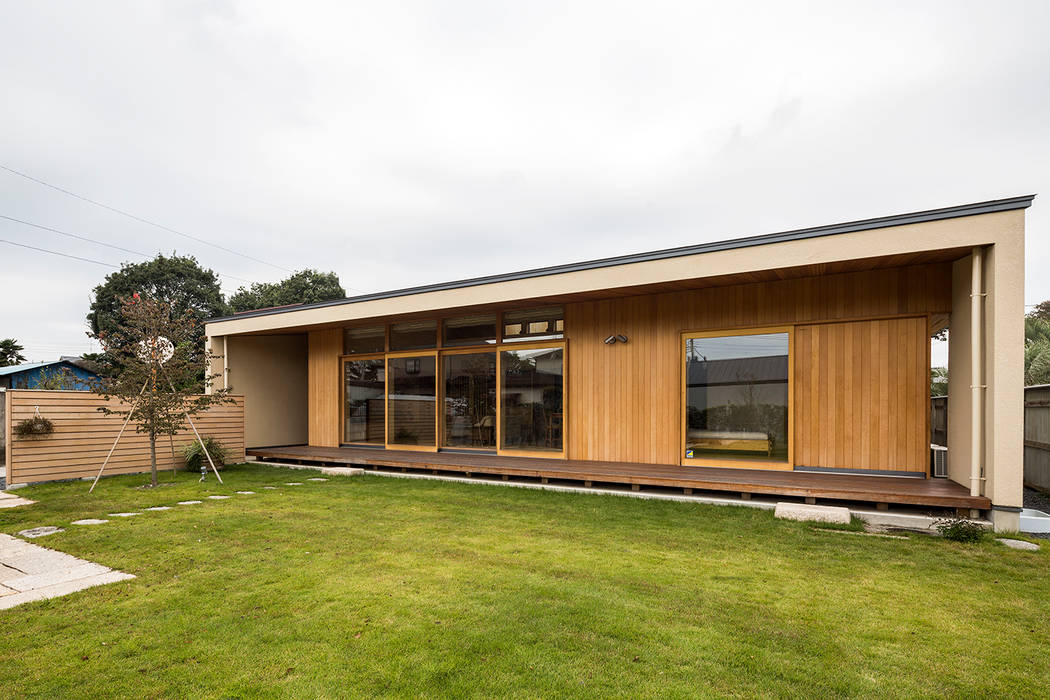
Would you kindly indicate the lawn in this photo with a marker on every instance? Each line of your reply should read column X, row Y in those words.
column 377, row 586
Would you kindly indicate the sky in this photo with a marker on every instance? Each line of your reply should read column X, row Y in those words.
column 407, row 143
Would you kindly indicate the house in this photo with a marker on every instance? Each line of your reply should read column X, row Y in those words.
column 788, row 364
column 29, row 376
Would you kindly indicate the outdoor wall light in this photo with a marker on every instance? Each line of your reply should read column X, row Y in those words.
column 610, row 340
column 622, row 338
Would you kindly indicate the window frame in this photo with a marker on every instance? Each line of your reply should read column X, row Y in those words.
column 736, row 462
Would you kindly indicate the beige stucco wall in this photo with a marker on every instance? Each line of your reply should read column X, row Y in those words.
column 1003, row 372
column 270, row 371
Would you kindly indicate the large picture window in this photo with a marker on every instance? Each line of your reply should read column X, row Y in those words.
column 737, row 398
column 413, row 400
column 531, row 401
column 470, row 400
column 364, row 413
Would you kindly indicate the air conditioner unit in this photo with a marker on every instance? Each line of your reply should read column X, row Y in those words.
column 939, row 461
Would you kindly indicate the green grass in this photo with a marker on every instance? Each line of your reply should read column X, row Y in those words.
column 377, row 586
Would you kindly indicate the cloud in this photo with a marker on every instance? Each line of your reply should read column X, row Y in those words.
column 401, row 144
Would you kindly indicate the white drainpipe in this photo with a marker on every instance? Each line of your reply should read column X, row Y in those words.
column 977, row 373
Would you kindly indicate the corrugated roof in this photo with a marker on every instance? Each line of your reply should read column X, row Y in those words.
column 988, row 207
column 15, row 369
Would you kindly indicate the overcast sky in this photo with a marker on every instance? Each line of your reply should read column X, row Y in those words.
column 432, row 141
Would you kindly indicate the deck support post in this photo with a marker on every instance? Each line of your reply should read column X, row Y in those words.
column 636, row 487
column 506, row 478
column 745, row 496
column 543, row 480
column 882, row 506
column 687, row 492
column 810, row 501
column 587, row 484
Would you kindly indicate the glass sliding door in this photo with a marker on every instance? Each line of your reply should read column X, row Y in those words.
column 412, row 400
column 532, row 415
column 736, row 399
column 469, row 419
column 364, row 410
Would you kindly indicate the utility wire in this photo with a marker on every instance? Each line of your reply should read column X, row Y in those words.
column 54, row 252
column 73, row 235
column 139, row 218
column 97, row 242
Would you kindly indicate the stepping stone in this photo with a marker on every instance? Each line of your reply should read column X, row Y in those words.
column 246, row 493
column 317, row 478
column 343, row 471
column 90, row 521
column 294, row 483
column 272, row 488
column 14, row 501
column 123, row 515
column 188, row 503
column 160, row 508
column 217, row 498
column 40, row 531
column 1012, row 544
column 808, row 513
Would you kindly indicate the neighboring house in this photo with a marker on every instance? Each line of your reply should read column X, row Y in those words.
column 789, row 364
column 28, row 376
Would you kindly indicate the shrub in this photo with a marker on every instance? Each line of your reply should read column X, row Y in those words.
column 194, row 454
column 34, row 427
column 959, row 529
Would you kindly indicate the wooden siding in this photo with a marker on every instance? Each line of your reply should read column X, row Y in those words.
column 83, row 436
column 861, row 395
column 624, row 398
column 324, row 387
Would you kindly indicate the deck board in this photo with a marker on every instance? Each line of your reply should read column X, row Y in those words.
column 846, row 487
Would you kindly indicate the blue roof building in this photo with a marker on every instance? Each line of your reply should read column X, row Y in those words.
column 29, row 376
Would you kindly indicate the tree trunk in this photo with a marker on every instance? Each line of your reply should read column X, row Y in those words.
column 153, row 458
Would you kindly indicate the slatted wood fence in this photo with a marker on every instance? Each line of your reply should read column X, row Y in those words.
column 1037, row 436
column 83, row 436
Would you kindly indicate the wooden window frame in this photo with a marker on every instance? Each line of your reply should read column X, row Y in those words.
column 737, row 462
column 537, row 345
column 343, row 359
column 438, row 353
column 437, row 399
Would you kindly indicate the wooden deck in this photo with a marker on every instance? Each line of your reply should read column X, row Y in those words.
column 940, row 493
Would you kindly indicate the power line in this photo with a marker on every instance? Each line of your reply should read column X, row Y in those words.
column 97, row 242
column 73, row 235
column 139, row 218
column 54, row 252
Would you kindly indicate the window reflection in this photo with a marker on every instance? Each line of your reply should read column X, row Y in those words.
column 531, row 399
column 737, row 397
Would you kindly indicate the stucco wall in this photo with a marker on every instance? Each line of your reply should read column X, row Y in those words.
column 270, row 372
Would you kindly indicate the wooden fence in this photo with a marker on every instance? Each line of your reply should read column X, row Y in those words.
column 83, row 436
column 1037, row 436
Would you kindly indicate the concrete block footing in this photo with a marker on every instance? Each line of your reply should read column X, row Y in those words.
column 811, row 513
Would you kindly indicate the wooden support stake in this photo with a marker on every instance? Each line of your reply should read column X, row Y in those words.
column 106, row 461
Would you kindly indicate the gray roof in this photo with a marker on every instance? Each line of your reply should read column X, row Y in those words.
column 995, row 205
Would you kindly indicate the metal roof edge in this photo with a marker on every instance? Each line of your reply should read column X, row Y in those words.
column 988, row 207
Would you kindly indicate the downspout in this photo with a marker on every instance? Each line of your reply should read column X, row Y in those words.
column 225, row 364
column 977, row 372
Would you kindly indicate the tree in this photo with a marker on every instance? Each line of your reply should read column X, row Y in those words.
column 938, row 381
column 303, row 287
column 1036, row 350
column 11, row 352
column 157, row 393
column 189, row 289
column 1041, row 311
